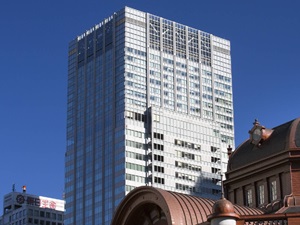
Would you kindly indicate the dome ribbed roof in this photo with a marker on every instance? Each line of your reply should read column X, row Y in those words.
column 165, row 207
column 223, row 208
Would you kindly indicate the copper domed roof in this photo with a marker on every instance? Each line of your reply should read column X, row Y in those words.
column 283, row 138
column 148, row 205
column 223, row 208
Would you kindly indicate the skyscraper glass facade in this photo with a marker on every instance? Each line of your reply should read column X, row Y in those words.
column 149, row 103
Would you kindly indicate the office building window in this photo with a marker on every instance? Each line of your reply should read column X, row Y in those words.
column 159, row 169
column 158, row 136
column 159, row 180
column 159, row 158
column 158, row 147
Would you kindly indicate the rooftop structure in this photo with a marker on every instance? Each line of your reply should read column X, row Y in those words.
column 264, row 171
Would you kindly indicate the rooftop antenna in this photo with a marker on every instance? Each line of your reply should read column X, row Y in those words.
column 13, row 187
column 222, row 187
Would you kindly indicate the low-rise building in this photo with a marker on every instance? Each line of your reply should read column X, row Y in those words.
column 20, row 208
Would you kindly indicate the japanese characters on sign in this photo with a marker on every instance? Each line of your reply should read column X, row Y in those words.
column 39, row 202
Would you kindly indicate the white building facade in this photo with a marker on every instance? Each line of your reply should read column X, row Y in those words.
column 22, row 208
column 149, row 103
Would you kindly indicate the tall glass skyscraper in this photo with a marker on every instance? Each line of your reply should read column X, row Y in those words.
column 149, row 103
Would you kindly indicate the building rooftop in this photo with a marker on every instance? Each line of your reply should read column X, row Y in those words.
column 281, row 139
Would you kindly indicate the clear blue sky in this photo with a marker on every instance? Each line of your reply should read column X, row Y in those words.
column 265, row 41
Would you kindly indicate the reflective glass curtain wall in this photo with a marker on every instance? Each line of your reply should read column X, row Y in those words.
column 94, row 185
